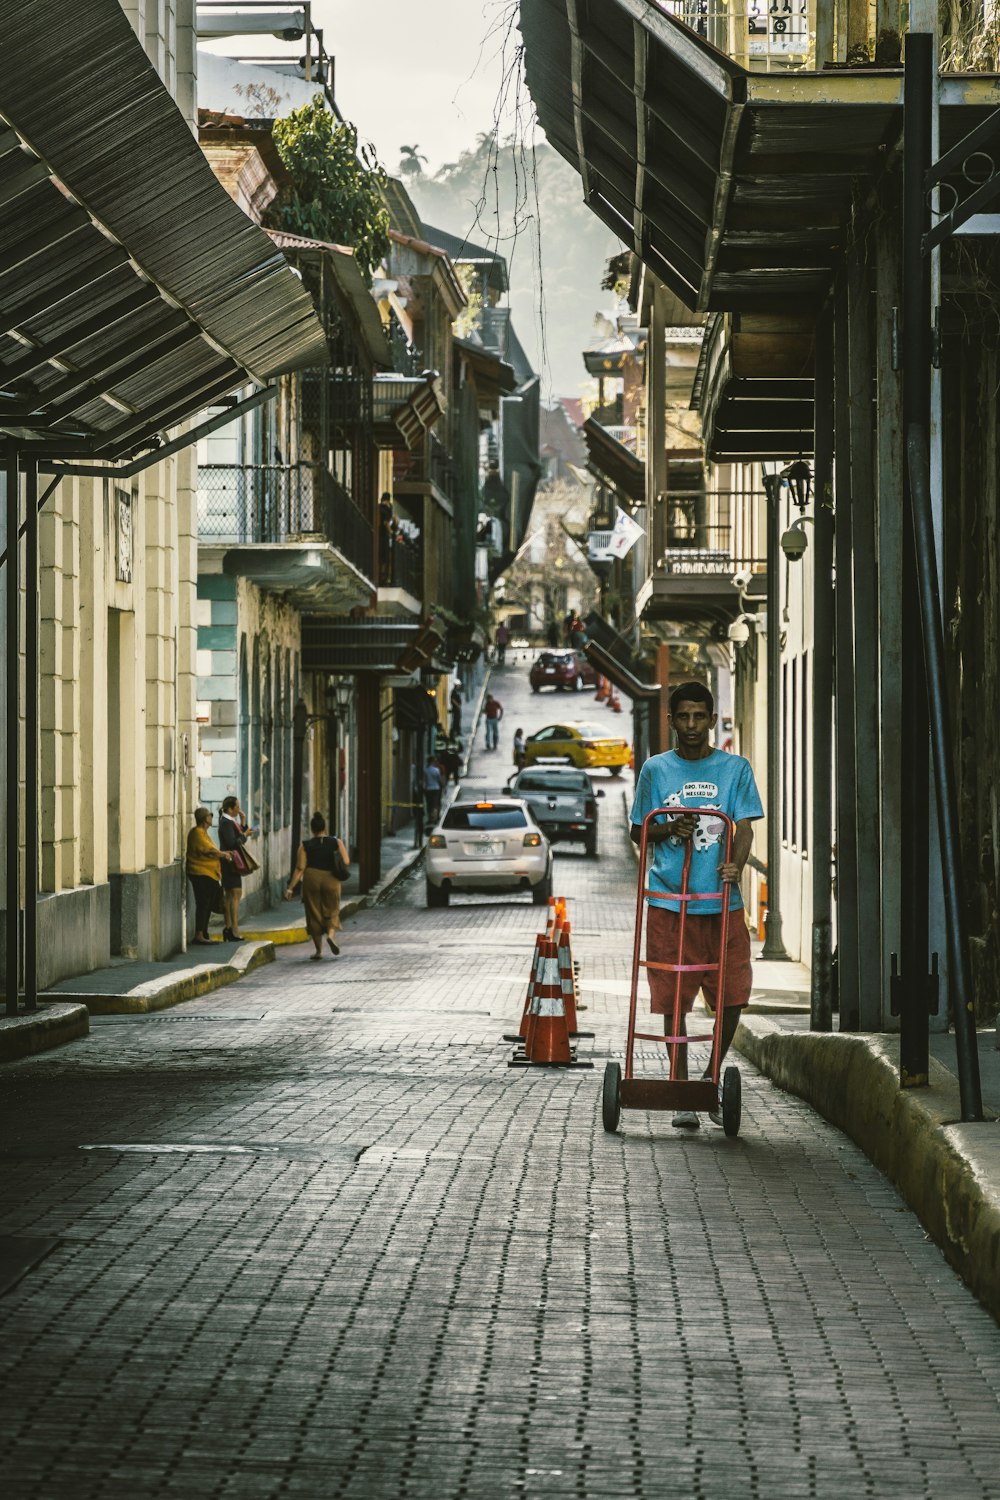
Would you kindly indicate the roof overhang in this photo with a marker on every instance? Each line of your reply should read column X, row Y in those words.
column 339, row 645
column 494, row 377
column 613, row 463
column 406, row 408
column 733, row 188
column 311, row 575
column 754, row 387
column 134, row 292
column 355, row 294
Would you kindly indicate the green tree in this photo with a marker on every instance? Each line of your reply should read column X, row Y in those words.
column 336, row 189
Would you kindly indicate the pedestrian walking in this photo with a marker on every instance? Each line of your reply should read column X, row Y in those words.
column 520, row 748
column 433, row 784
column 451, row 754
column 502, row 639
column 696, row 774
column 234, row 830
column 455, row 702
column 494, row 713
column 322, row 864
column 203, row 863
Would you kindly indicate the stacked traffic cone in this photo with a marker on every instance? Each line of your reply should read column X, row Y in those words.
column 614, row 702
column 533, row 975
column 567, row 979
column 546, row 1042
column 602, row 690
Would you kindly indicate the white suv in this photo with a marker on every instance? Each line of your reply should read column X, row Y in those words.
column 488, row 846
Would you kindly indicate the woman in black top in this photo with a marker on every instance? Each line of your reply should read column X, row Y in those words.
column 316, row 865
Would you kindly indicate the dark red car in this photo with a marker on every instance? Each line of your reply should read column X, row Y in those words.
column 562, row 669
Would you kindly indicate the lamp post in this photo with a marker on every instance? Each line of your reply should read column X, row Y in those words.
column 773, row 947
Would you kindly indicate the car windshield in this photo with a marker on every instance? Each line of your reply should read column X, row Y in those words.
column 552, row 781
column 588, row 732
column 554, row 659
column 495, row 815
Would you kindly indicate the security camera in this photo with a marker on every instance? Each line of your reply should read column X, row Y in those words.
column 793, row 543
column 739, row 631
column 741, row 580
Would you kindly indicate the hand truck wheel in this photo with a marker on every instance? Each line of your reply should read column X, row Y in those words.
column 732, row 1101
column 611, row 1103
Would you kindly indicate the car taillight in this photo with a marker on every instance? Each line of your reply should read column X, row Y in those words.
column 590, row 809
column 438, row 841
column 532, row 840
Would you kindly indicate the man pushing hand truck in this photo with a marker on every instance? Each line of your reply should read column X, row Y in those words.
column 694, row 809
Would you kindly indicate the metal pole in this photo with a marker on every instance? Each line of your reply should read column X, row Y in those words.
column 966, row 1045
column 31, row 828
column 821, row 842
column 911, row 983
column 300, row 722
column 13, row 826
column 773, row 947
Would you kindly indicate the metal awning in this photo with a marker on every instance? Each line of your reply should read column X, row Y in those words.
column 610, row 653
column 754, row 386
column 405, row 408
column 415, row 708
column 494, row 377
column 133, row 291
column 734, row 188
column 613, row 463
column 332, row 644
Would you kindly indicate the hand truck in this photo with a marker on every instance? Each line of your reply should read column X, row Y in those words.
column 675, row 1093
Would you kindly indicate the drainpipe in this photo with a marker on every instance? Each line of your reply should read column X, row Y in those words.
column 13, row 768
column 300, row 724
column 773, row 947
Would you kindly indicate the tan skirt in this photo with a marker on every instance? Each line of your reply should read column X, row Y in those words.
column 321, row 895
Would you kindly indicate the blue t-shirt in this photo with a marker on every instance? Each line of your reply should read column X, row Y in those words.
column 720, row 780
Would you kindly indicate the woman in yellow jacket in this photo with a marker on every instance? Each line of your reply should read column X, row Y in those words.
column 203, row 865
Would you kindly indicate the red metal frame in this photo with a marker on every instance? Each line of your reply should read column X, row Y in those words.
column 672, row 1093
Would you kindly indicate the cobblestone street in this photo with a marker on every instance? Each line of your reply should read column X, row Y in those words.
column 315, row 1238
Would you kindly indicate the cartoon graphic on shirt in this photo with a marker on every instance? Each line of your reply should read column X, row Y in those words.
column 707, row 831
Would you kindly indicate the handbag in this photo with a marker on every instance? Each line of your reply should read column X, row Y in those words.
column 218, row 904
column 341, row 871
column 249, row 863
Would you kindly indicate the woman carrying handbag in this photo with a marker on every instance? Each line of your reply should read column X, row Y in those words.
column 233, row 834
column 321, row 864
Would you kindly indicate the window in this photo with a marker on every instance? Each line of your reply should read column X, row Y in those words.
column 794, row 756
column 499, row 815
column 552, row 781
column 804, row 746
column 784, row 752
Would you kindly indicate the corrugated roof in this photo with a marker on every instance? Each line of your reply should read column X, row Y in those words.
column 734, row 188
column 134, row 292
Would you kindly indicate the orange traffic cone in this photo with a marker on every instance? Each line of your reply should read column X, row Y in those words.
column 602, row 690
column 567, row 978
column 546, row 1041
column 533, row 974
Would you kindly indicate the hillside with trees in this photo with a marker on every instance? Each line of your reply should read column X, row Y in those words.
column 513, row 200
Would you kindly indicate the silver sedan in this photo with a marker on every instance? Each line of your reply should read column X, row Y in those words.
column 488, row 846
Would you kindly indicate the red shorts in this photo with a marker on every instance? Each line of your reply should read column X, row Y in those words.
column 702, row 936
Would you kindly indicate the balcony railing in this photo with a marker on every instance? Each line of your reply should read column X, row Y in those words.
column 697, row 550
column 275, row 503
column 401, row 565
column 430, row 464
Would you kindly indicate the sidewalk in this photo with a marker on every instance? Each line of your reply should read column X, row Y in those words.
column 137, row 987
column 948, row 1172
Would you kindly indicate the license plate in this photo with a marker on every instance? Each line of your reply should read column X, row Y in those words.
column 484, row 851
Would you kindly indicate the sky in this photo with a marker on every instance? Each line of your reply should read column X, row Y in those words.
column 417, row 72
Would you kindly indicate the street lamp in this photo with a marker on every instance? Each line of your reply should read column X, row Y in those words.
column 798, row 477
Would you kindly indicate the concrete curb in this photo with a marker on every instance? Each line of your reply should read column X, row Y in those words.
column 177, row 985
column 948, row 1172
column 51, row 1025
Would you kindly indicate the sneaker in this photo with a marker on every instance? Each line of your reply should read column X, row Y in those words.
column 686, row 1120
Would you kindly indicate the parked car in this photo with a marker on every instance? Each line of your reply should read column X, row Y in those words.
column 562, row 669
column 581, row 745
column 488, row 846
column 564, row 802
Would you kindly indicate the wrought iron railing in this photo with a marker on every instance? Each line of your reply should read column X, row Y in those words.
column 247, row 503
column 430, row 464
column 401, row 565
column 692, row 548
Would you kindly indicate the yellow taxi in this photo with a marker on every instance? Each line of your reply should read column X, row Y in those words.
column 582, row 745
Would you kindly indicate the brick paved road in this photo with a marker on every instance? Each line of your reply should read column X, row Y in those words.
column 315, row 1239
